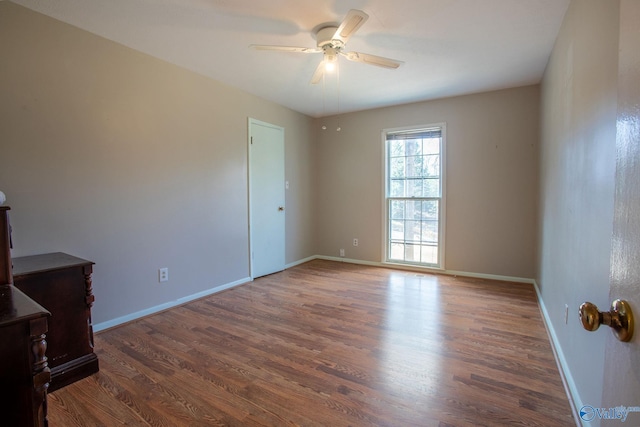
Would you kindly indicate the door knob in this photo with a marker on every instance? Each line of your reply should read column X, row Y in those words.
column 619, row 318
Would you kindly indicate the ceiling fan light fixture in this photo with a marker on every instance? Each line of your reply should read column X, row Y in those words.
column 330, row 59
column 330, row 66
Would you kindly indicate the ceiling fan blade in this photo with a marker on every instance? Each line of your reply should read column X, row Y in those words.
column 371, row 59
column 317, row 75
column 354, row 20
column 294, row 49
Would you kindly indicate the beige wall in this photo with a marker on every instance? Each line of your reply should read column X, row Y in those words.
column 134, row 163
column 578, row 122
column 491, row 180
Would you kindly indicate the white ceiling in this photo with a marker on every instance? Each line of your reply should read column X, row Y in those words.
column 449, row 47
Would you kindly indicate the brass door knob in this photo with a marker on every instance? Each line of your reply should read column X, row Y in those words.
column 619, row 318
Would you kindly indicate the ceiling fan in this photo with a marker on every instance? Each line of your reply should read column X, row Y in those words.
column 331, row 42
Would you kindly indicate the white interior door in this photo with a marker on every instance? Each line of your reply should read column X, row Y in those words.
column 622, row 360
column 266, row 198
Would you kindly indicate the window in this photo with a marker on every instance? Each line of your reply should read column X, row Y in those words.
column 414, row 196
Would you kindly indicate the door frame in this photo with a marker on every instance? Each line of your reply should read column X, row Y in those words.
column 251, row 122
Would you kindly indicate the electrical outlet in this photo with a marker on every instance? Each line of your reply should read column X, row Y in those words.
column 355, row 242
column 341, row 252
column 163, row 274
column 566, row 314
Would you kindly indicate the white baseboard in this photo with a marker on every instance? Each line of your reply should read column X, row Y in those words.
column 490, row 277
column 429, row 270
column 348, row 260
column 301, row 261
column 567, row 379
column 152, row 310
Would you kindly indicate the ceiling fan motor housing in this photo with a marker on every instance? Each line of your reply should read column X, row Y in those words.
column 324, row 37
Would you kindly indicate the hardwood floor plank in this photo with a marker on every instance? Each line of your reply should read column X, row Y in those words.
column 329, row 344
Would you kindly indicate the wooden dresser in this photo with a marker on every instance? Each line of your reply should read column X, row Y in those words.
column 24, row 374
column 62, row 284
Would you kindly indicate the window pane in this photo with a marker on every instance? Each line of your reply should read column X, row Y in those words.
column 431, row 146
column 397, row 209
column 429, row 254
column 414, row 188
column 396, row 148
column 412, row 231
column 396, row 189
column 397, row 230
column 413, row 209
column 432, row 166
column 430, row 210
column 430, row 231
column 412, row 252
column 396, row 167
column 412, row 147
column 396, row 251
column 414, row 167
column 431, row 187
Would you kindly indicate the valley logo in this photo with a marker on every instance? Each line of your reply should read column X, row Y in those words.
column 589, row 413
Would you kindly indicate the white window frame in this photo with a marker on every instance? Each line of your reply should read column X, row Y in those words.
column 442, row 200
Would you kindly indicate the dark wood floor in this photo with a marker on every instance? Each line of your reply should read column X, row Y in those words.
column 329, row 344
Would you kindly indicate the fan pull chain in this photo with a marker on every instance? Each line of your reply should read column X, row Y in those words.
column 338, row 129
